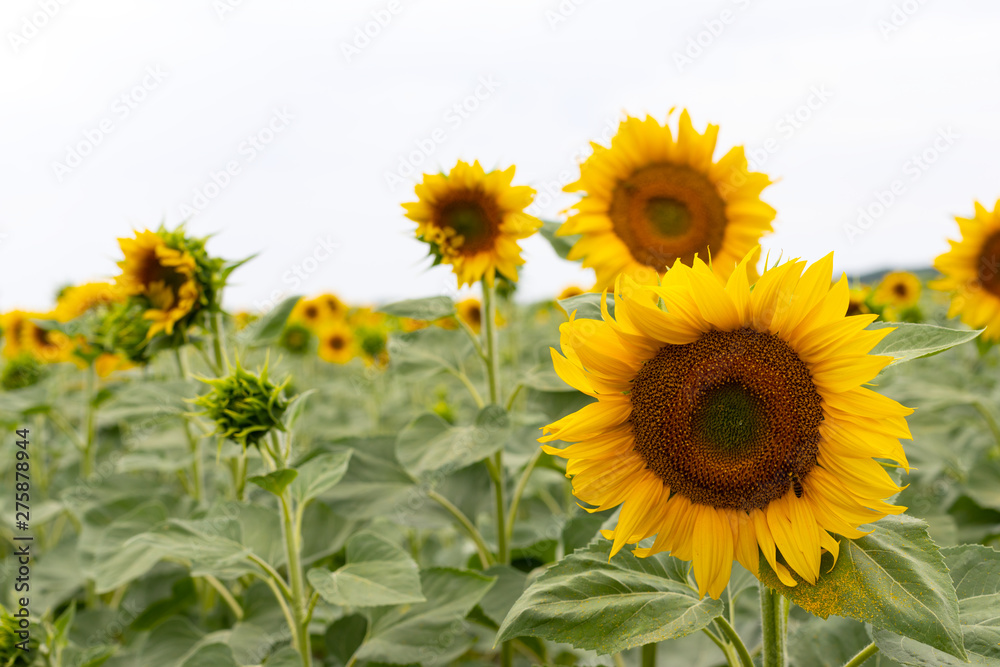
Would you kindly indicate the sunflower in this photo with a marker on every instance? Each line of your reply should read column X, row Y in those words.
column 732, row 420
column 857, row 300
column 570, row 291
column 898, row 289
column 336, row 343
column 13, row 323
column 972, row 271
column 652, row 199
column 472, row 220
column 163, row 275
column 296, row 338
column 334, row 306
column 311, row 313
column 47, row 345
column 78, row 299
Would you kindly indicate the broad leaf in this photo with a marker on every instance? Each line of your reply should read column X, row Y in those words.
column 377, row 573
column 975, row 570
column 428, row 309
column 375, row 483
column 296, row 408
column 608, row 607
column 545, row 378
column 894, row 578
column 912, row 341
column 561, row 244
column 275, row 482
column 429, row 444
column 319, row 474
column 267, row 330
column 504, row 593
column 429, row 633
column 588, row 306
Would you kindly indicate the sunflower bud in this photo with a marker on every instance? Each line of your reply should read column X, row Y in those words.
column 244, row 406
column 10, row 653
column 20, row 372
column 295, row 338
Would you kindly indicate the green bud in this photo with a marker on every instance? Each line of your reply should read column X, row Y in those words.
column 296, row 338
column 244, row 406
column 20, row 372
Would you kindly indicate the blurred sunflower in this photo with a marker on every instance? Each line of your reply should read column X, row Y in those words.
column 473, row 220
column 13, row 323
column 857, row 301
column 311, row 313
column 652, row 199
column 334, row 306
column 972, row 271
column 163, row 275
column 47, row 345
column 470, row 311
column 296, row 338
column 731, row 421
column 79, row 299
column 898, row 289
column 570, row 291
column 336, row 343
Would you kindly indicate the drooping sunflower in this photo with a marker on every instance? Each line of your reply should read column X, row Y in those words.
column 732, row 420
column 898, row 289
column 47, row 345
column 653, row 198
column 78, row 299
column 163, row 275
column 972, row 271
column 473, row 220
column 336, row 343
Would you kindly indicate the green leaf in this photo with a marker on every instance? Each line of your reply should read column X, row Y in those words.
column 345, row 635
column 545, row 378
column 267, row 330
column 284, row 657
column 504, row 593
column 296, row 408
column 375, row 483
column 561, row 244
column 588, row 306
column 975, row 570
column 207, row 546
column 913, row 341
column 275, row 482
column 608, row 607
column 319, row 474
column 377, row 573
column 431, row 632
column 894, row 578
column 211, row 655
column 827, row 642
column 983, row 485
column 428, row 309
column 429, row 444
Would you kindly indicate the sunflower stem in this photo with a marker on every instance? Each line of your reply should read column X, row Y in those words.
column 736, row 641
column 990, row 421
column 862, row 655
column 649, row 655
column 465, row 522
column 219, row 343
column 519, row 491
column 774, row 625
column 90, row 421
column 194, row 443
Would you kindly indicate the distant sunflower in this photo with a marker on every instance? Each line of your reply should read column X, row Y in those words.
column 899, row 289
column 13, row 323
column 163, row 275
column 857, row 303
column 334, row 306
column 78, row 299
column 47, row 345
column 653, row 199
column 470, row 311
column 336, row 343
column 473, row 220
column 972, row 271
column 311, row 313
column 731, row 421
column 570, row 291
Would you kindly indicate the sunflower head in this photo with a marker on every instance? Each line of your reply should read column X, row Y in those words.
column 858, row 299
column 76, row 300
column 123, row 331
column 653, row 198
column 245, row 406
column 296, row 339
column 971, row 271
column 48, row 346
column 472, row 220
column 12, row 323
column 899, row 289
column 336, row 343
column 313, row 314
column 570, row 291
column 470, row 311
column 731, row 421
column 20, row 372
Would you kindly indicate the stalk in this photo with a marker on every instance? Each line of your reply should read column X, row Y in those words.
column 194, row 443
column 774, row 625
column 90, row 421
column 862, row 656
column 290, row 527
column 649, row 655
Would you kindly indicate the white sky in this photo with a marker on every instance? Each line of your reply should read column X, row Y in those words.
column 223, row 75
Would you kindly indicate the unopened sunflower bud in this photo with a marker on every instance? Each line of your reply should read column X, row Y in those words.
column 244, row 406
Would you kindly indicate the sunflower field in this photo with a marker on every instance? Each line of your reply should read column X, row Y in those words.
column 715, row 455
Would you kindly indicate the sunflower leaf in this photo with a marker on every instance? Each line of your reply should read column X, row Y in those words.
column 429, row 444
column 428, row 309
column 587, row 306
column 561, row 244
column 377, row 573
column 913, row 341
column 607, row 605
column 975, row 570
column 319, row 474
column 275, row 482
column 894, row 578
column 268, row 328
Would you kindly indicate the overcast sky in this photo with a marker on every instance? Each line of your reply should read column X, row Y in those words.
column 285, row 130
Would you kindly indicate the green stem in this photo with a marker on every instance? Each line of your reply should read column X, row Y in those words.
column 470, row 528
column 219, row 343
column 774, row 627
column 736, row 641
column 472, row 334
column 990, row 421
column 299, row 602
column 194, row 443
column 468, row 385
column 492, row 357
column 272, row 575
column 89, row 449
column 649, row 655
column 513, row 395
column 862, row 655
column 225, row 595
column 67, row 428
column 518, row 492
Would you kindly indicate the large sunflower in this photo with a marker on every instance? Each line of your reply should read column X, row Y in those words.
column 972, row 271
column 473, row 220
column 653, row 199
column 163, row 275
column 732, row 420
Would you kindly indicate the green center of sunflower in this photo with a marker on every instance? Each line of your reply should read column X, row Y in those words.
column 729, row 420
column 472, row 215
column 664, row 212
column 668, row 216
column 989, row 264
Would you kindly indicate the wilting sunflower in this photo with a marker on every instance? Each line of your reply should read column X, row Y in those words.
column 473, row 220
column 336, row 343
column 163, row 275
column 732, row 420
column 899, row 289
column 78, row 299
column 972, row 271
column 653, row 198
